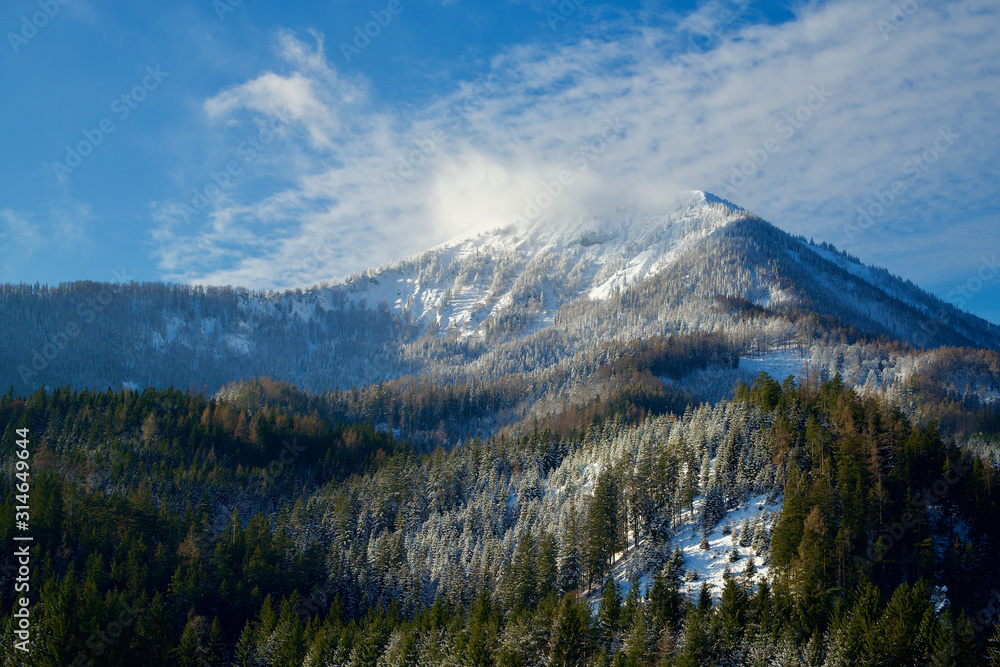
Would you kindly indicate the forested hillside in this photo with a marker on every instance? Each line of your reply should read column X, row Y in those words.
column 679, row 439
column 559, row 544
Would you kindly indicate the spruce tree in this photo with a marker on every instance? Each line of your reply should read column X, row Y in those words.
column 696, row 642
column 215, row 653
column 609, row 612
column 570, row 636
column 191, row 650
column 603, row 525
column 631, row 605
column 641, row 637
column 546, row 572
column 731, row 614
column 666, row 604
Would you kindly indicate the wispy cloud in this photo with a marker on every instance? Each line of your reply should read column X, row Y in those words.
column 332, row 205
column 45, row 236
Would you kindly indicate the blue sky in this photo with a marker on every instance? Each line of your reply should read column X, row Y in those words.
column 272, row 145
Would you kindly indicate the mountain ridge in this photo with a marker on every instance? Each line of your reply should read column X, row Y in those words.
column 487, row 303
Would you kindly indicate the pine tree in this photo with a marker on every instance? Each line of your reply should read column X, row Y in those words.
column 246, row 647
column 518, row 588
column 641, row 637
column 191, row 650
column 713, row 510
column 631, row 605
column 704, row 600
column 746, row 534
column 609, row 613
column 570, row 563
column 570, row 636
column 215, row 649
column 901, row 621
column 602, row 527
column 546, row 572
column 696, row 643
column 674, row 570
column 731, row 614
column 289, row 645
column 666, row 604
column 481, row 633
column 401, row 651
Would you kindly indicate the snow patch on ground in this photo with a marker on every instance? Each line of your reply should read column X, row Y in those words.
column 778, row 363
column 718, row 383
column 710, row 564
column 304, row 311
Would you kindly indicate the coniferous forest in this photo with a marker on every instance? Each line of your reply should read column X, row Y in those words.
column 754, row 451
column 409, row 334
column 172, row 529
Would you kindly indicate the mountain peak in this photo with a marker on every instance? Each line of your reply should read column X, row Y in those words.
column 690, row 212
column 528, row 269
column 527, row 295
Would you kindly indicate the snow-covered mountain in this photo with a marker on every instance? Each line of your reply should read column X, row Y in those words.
column 490, row 275
column 517, row 299
column 522, row 274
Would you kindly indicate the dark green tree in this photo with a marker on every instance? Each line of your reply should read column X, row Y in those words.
column 571, row 634
column 609, row 613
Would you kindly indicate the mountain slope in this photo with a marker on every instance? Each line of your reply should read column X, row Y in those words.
column 519, row 299
column 514, row 280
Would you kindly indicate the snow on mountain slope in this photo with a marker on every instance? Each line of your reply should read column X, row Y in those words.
column 538, row 266
column 708, row 565
column 514, row 280
column 516, row 299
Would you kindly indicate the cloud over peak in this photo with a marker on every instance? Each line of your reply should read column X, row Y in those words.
column 803, row 122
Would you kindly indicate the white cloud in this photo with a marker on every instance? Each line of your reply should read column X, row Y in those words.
column 312, row 95
column 476, row 157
